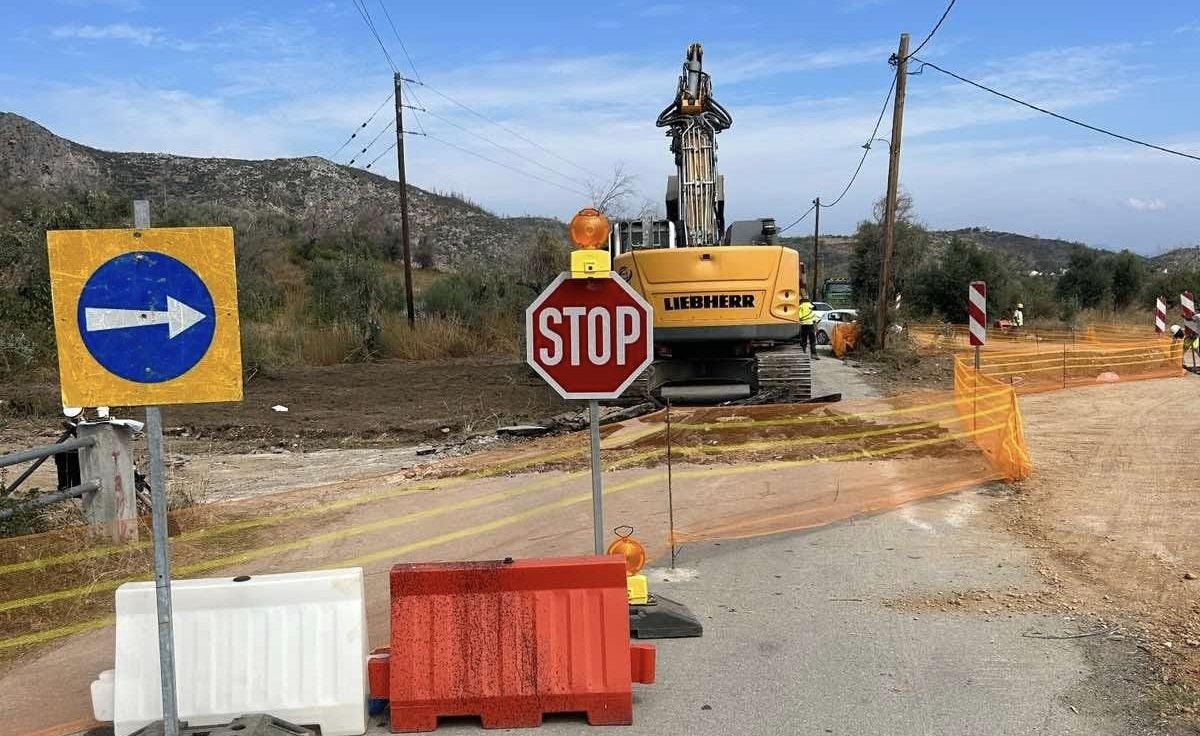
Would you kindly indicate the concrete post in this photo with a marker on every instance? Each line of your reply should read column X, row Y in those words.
column 112, row 510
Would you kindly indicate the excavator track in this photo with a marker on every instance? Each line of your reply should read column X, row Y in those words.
column 784, row 375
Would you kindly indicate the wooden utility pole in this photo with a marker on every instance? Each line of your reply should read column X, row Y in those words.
column 408, row 289
column 889, row 217
column 815, row 291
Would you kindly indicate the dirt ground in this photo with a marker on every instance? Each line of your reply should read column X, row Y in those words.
column 1113, row 509
column 362, row 405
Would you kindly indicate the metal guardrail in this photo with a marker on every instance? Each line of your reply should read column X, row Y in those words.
column 38, row 455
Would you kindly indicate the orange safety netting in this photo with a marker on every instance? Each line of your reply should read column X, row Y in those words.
column 1001, row 436
column 1045, row 360
column 1047, row 368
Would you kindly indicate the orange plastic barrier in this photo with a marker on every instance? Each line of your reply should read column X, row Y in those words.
column 509, row 641
column 991, row 414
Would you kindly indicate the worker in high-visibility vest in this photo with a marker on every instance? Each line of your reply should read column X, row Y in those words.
column 1018, row 319
column 1191, row 344
column 808, row 327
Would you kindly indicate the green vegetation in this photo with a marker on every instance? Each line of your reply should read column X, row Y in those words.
column 306, row 297
column 933, row 281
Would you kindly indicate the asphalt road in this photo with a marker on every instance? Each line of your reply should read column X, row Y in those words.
column 798, row 640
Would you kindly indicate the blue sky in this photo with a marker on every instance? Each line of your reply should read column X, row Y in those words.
column 803, row 80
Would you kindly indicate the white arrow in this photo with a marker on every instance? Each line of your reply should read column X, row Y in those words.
column 178, row 317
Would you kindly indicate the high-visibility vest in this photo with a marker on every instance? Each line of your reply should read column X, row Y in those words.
column 807, row 315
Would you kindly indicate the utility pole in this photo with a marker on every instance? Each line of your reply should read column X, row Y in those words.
column 889, row 218
column 815, row 291
column 408, row 289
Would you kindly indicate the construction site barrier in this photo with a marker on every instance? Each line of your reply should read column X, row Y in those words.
column 990, row 412
column 509, row 641
column 818, row 462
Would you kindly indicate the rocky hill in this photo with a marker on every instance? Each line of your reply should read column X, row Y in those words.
column 324, row 195
column 1180, row 259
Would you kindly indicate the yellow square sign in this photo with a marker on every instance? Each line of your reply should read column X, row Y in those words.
column 145, row 317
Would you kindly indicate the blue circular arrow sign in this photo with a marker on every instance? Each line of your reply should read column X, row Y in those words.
column 146, row 317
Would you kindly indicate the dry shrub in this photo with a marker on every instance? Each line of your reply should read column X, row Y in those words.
column 435, row 338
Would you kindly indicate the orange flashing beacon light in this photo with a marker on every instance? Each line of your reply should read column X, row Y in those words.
column 589, row 231
column 634, row 553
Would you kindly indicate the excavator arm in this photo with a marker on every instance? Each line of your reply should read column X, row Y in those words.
column 693, row 120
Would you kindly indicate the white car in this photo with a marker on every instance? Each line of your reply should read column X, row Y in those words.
column 822, row 309
column 830, row 320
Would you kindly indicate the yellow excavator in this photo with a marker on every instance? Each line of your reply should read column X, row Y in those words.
column 725, row 299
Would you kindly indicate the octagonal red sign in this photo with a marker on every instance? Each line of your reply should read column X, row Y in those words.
column 589, row 338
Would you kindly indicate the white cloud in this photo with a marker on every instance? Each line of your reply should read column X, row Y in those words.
column 1188, row 28
column 141, row 35
column 1144, row 205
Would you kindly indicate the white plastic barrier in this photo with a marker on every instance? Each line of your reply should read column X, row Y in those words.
column 292, row 645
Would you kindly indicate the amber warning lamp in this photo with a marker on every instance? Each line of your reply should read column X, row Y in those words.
column 635, row 559
column 589, row 231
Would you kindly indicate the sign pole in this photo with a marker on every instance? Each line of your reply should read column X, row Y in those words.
column 597, row 489
column 162, row 551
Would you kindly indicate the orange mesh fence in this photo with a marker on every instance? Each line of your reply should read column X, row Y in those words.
column 737, row 471
column 990, row 411
column 956, row 337
column 1048, row 369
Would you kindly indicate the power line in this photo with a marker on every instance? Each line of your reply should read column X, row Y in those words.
column 381, row 155
column 861, row 160
column 935, row 30
column 1053, row 114
column 359, row 129
column 866, row 146
column 401, row 40
column 413, row 94
column 366, row 16
column 378, row 135
column 510, row 168
column 389, row 149
column 501, row 146
column 507, row 129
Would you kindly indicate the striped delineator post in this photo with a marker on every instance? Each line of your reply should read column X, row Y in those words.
column 1187, row 305
column 977, row 316
column 1160, row 315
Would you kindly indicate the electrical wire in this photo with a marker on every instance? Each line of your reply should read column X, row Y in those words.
column 941, row 20
column 861, row 160
column 385, row 152
column 1053, row 114
column 416, row 74
column 501, row 146
column 412, row 93
column 510, row 168
column 507, row 129
column 366, row 16
column 378, row 135
column 359, row 128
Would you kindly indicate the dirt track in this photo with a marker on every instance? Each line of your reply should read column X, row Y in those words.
column 1114, row 505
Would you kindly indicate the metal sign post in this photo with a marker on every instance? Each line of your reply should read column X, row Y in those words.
column 162, row 545
column 597, row 487
column 590, row 338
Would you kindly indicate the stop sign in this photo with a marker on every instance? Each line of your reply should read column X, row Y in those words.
column 589, row 338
